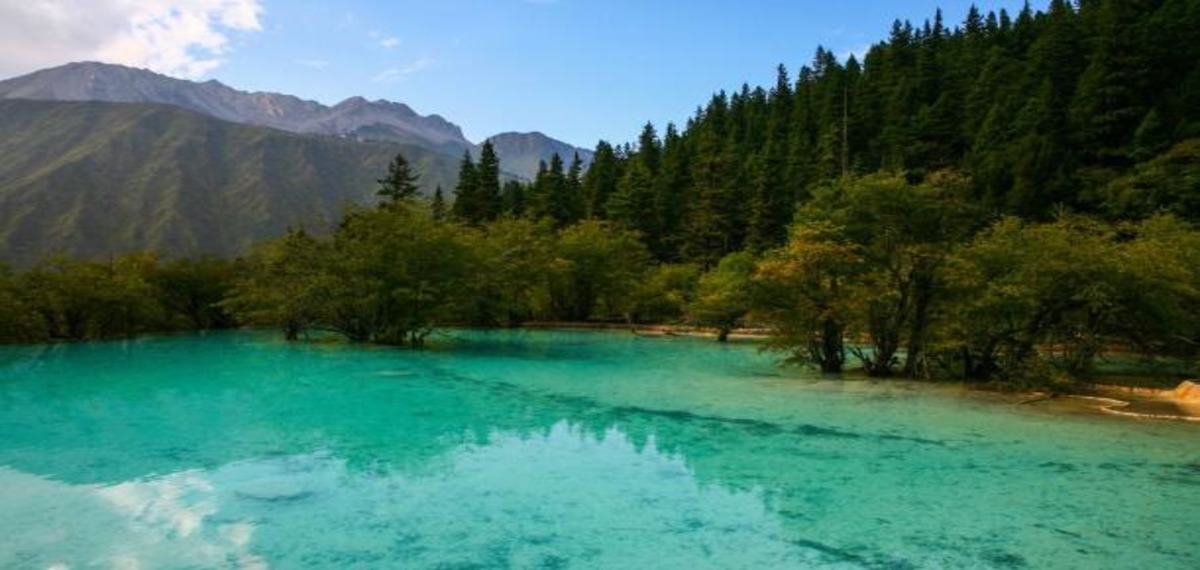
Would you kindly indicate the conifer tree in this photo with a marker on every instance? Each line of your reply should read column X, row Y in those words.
column 437, row 206
column 487, row 181
column 576, row 203
column 600, row 180
column 550, row 196
column 400, row 183
column 512, row 198
column 466, row 194
column 671, row 189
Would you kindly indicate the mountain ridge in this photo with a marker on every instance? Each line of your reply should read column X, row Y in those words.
column 355, row 118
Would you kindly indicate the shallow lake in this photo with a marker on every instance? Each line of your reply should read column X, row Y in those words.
column 558, row 450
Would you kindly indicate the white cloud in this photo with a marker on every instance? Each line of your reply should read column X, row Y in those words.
column 184, row 38
column 389, row 42
column 394, row 74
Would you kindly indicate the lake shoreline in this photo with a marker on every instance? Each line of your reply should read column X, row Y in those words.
column 1111, row 400
column 1129, row 402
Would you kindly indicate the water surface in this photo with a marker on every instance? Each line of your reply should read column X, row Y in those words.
column 557, row 450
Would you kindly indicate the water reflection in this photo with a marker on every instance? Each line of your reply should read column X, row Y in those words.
column 242, row 451
column 562, row 497
column 168, row 521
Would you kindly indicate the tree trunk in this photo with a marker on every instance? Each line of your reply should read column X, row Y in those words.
column 833, row 348
column 914, row 360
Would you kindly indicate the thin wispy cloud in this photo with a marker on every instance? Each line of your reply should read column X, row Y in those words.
column 183, row 38
column 383, row 40
column 394, row 74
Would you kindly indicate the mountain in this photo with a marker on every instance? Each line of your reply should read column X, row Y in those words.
column 96, row 178
column 521, row 152
column 355, row 118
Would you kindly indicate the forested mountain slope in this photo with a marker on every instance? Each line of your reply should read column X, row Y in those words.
column 92, row 179
column 1091, row 107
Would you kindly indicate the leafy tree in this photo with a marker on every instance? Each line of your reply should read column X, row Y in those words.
column 665, row 293
column 724, row 295
column 393, row 276
column 596, row 270
column 282, row 285
column 801, row 294
column 904, row 234
column 194, row 290
column 1061, row 293
column 19, row 321
column 517, row 254
column 82, row 300
column 1169, row 183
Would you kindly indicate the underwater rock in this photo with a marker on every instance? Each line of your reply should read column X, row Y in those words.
column 273, row 491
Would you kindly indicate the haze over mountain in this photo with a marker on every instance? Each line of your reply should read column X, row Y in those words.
column 522, row 152
column 97, row 178
column 355, row 118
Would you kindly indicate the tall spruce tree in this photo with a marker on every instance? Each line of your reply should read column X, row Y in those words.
column 600, row 180
column 487, row 184
column 400, row 182
column 466, row 194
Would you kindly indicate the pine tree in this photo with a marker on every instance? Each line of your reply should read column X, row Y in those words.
column 633, row 204
column 466, row 194
column 550, row 196
column 649, row 147
column 600, row 180
column 512, row 198
column 400, row 183
column 576, row 202
column 1110, row 102
column 671, row 189
column 487, row 181
column 437, row 206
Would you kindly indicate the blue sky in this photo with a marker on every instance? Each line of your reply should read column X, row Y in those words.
column 578, row 70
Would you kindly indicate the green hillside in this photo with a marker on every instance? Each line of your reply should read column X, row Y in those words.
column 92, row 179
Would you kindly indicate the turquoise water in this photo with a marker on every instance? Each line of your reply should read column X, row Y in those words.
column 557, row 450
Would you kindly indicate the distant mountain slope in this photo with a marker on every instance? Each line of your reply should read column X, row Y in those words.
column 355, row 118
column 92, row 179
column 521, row 152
